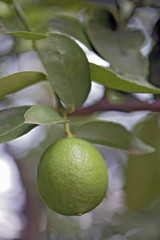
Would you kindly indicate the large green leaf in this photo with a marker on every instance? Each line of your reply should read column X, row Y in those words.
column 25, row 35
column 70, row 26
column 12, row 123
column 18, row 81
column 68, row 70
column 43, row 115
column 112, row 135
column 109, row 78
column 120, row 48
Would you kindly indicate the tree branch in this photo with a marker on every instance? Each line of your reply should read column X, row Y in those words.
column 128, row 106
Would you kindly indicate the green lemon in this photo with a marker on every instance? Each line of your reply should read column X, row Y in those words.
column 72, row 176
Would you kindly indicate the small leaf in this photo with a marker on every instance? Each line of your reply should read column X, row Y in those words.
column 120, row 48
column 68, row 70
column 18, row 81
column 109, row 78
column 112, row 135
column 25, row 35
column 70, row 26
column 12, row 123
column 43, row 115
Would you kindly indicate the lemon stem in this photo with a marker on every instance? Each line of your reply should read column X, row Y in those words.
column 68, row 131
column 67, row 126
column 64, row 112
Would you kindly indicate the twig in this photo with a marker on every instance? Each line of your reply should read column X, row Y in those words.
column 20, row 14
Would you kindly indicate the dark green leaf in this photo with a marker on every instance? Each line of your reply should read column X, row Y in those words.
column 109, row 78
column 156, row 31
column 70, row 26
column 43, row 115
column 154, row 59
column 25, row 35
column 112, row 135
column 120, row 49
column 68, row 70
column 8, row 1
column 18, row 81
column 12, row 123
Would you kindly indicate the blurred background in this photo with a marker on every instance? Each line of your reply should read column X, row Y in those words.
column 131, row 208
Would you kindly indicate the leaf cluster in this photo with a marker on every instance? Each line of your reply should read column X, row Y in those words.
column 64, row 35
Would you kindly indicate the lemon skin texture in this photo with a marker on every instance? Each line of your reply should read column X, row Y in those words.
column 72, row 176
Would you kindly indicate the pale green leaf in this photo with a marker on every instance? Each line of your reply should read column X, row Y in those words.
column 18, row 81
column 43, row 115
column 25, row 35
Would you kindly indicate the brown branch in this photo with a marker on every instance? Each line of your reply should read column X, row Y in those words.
column 128, row 106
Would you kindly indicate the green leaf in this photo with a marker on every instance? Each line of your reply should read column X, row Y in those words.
column 109, row 78
column 154, row 60
column 130, row 39
column 147, row 189
column 62, row 2
column 68, row 70
column 112, row 135
column 70, row 26
column 12, row 123
column 8, row 1
column 25, row 35
column 120, row 48
column 18, row 81
column 43, row 115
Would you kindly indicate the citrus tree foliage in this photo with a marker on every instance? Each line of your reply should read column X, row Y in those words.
column 68, row 69
column 63, row 34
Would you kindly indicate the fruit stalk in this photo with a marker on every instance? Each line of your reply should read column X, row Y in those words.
column 67, row 126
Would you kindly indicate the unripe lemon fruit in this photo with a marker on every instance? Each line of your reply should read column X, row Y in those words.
column 72, row 176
